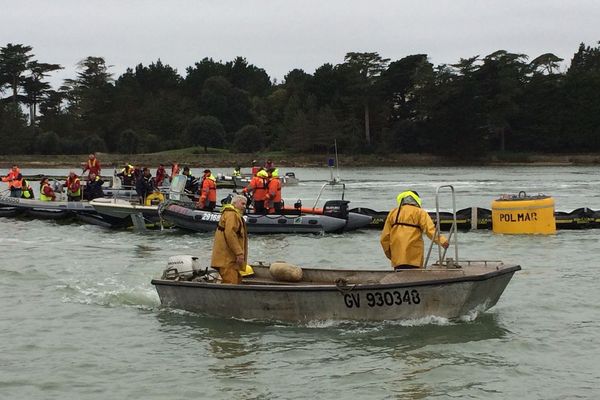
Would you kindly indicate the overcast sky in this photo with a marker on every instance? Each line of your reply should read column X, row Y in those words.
column 282, row 35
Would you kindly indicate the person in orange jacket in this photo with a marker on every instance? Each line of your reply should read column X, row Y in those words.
column 273, row 202
column 258, row 186
column 73, row 185
column 13, row 179
column 208, row 191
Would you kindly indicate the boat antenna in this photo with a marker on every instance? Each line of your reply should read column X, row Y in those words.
column 334, row 162
column 337, row 162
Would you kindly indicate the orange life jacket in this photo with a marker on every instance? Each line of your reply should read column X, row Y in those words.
column 12, row 178
column 258, row 186
column 274, row 190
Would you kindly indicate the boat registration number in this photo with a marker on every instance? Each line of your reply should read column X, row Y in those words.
column 211, row 217
column 382, row 299
column 13, row 200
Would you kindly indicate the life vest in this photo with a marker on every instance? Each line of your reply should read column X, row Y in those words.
column 236, row 172
column 258, row 186
column 43, row 196
column 27, row 192
column 275, row 190
column 209, row 189
column 93, row 166
column 75, row 182
column 12, row 178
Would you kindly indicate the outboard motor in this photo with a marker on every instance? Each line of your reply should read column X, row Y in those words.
column 183, row 267
column 336, row 208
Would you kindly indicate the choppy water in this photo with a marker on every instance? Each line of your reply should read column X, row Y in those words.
column 80, row 319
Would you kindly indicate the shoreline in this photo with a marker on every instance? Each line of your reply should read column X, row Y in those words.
column 220, row 160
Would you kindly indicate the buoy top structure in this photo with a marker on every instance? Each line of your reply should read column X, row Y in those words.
column 522, row 214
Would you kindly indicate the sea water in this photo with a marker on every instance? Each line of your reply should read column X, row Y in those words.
column 80, row 319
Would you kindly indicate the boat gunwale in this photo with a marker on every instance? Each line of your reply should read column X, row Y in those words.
column 291, row 287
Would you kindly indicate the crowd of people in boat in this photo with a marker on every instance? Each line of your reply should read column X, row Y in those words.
column 264, row 188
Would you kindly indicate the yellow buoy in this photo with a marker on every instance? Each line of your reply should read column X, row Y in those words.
column 524, row 214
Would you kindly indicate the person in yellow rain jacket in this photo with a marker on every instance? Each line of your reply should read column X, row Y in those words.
column 401, row 238
column 230, row 248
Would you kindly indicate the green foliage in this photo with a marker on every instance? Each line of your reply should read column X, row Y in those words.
column 129, row 141
column 249, row 139
column 205, row 131
column 48, row 143
column 366, row 103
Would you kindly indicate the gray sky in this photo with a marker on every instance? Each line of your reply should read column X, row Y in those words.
column 281, row 35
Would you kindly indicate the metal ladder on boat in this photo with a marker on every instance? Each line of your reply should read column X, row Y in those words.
column 452, row 236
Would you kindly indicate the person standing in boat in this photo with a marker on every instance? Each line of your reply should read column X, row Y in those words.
column 13, row 181
column 93, row 189
column 258, row 186
column 273, row 198
column 237, row 171
column 92, row 165
column 73, row 185
column 144, row 185
column 46, row 191
column 161, row 175
column 208, row 192
column 230, row 247
column 401, row 238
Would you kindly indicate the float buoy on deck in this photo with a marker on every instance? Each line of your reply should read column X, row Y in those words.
column 524, row 214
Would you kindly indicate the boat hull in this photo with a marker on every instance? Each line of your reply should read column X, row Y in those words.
column 207, row 221
column 422, row 294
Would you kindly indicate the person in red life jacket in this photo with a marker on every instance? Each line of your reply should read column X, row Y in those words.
column 73, row 185
column 13, row 181
column 92, row 165
column 273, row 199
column 26, row 189
column 208, row 192
column 93, row 189
column 174, row 169
column 161, row 174
column 258, row 186
column 46, row 192
column 255, row 168
column 269, row 165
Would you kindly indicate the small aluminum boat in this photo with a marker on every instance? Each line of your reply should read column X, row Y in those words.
column 444, row 291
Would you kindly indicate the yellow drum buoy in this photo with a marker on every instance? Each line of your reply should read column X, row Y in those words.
column 524, row 214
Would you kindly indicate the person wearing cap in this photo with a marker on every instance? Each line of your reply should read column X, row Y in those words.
column 191, row 183
column 73, row 185
column 208, row 192
column 401, row 238
column 46, row 191
column 258, row 186
column 273, row 198
column 230, row 247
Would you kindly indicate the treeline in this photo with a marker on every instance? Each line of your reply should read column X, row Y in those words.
column 368, row 104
